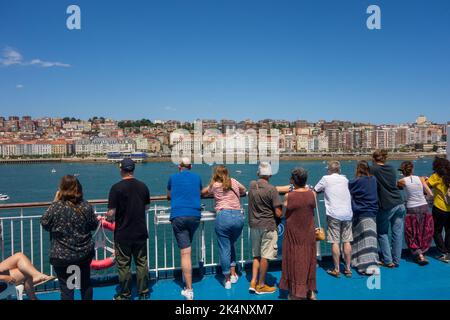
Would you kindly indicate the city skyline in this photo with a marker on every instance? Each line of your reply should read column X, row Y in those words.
column 70, row 118
column 228, row 60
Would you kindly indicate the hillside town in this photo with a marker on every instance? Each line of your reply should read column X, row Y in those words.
column 70, row 137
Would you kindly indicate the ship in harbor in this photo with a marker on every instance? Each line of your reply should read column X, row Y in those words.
column 119, row 156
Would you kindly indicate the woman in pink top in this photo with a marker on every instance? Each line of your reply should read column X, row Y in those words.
column 229, row 219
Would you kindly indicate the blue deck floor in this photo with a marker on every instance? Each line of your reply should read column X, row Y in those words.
column 409, row 281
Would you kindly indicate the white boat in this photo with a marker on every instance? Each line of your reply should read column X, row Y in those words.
column 53, row 171
column 238, row 171
column 4, row 197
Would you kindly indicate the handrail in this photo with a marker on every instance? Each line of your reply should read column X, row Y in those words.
column 27, row 205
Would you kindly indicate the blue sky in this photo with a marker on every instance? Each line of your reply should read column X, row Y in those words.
column 235, row 59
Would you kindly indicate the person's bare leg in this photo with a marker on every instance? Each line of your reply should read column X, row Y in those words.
column 255, row 269
column 186, row 267
column 348, row 255
column 336, row 253
column 20, row 278
column 263, row 266
column 21, row 262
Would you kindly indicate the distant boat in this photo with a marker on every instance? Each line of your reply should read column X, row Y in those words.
column 4, row 197
column 53, row 171
column 76, row 174
column 238, row 171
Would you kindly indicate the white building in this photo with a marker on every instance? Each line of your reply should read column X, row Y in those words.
column 104, row 145
column 302, row 142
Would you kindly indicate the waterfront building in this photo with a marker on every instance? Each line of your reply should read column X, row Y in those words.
column 104, row 145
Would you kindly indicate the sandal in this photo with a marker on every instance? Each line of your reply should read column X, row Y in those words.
column 44, row 279
column 333, row 272
column 389, row 265
column 348, row 273
column 421, row 260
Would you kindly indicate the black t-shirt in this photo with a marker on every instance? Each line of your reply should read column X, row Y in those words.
column 129, row 197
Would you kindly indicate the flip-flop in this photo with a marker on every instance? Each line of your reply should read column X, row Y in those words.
column 44, row 280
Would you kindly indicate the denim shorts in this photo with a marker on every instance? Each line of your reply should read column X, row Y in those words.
column 184, row 229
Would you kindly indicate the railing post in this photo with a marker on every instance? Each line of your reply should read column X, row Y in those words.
column 203, row 244
column 2, row 244
column 156, row 241
column 21, row 230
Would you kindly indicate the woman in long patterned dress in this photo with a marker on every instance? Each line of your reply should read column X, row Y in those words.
column 299, row 242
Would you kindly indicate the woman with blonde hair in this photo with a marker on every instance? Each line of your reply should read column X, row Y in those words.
column 229, row 221
column 70, row 221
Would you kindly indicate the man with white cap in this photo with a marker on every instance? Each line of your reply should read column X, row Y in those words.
column 264, row 205
column 183, row 191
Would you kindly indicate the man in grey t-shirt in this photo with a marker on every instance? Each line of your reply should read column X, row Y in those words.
column 263, row 205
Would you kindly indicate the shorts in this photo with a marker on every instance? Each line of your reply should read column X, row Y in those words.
column 339, row 231
column 184, row 229
column 264, row 243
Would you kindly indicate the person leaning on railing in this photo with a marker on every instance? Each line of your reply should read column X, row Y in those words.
column 184, row 191
column 128, row 202
column 264, row 206
column 71, row 221
column 419, row 226
column 229, row 220
column 299, row 261
column 18, row 269
column 440, row 183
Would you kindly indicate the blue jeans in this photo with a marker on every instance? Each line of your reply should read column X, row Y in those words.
column 395, row 219
column 229, row 224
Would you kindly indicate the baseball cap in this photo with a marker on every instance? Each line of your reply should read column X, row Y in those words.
column 127, row 165
column 264, row 169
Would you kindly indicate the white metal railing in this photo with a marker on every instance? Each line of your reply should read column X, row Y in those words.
column 23, row 232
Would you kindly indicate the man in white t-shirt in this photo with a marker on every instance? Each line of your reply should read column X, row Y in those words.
column 338, row 205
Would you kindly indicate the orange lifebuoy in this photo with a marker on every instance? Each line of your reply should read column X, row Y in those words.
column 111, row 226
column 110, row 261
column 102, row 264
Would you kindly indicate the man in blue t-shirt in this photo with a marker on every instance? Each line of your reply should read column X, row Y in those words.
column 183, row 191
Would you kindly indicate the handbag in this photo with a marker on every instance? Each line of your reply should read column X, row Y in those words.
column 319, row 231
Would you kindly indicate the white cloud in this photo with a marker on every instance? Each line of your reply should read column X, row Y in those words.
column 19, row 86
column 11, row 57
column 169, row 108
column 48, row 64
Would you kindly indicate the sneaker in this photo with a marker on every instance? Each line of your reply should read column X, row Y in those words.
column 119, row 297
column 234, row 279
column 188, row 294
column 227, row 284
column 252, row 287
column 265, row 289
column 444, row 258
